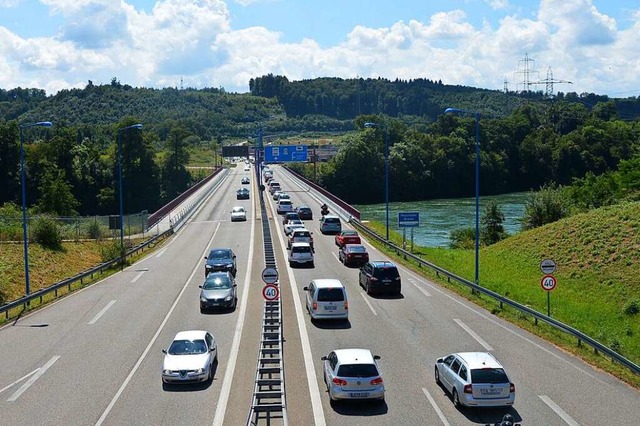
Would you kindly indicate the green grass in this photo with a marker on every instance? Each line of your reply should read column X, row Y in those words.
column 598, row 258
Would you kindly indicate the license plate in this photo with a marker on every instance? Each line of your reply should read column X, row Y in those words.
column 490, row 391
column 358, row 394
column 330, row 308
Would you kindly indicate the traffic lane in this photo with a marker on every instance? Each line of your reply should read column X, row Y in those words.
column 83, row 346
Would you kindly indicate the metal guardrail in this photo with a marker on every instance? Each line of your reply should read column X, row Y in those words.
column 580, row 336
column 268, row 402
column 40, row 294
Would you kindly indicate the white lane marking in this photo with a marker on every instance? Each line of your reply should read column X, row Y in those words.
column 514, row 332
column 422, row 290
column 312, row 379
column 19, row 380
column 137, row 277
column 225, row 390
column 473, row 334
column 559, row 411
column 161, row 252
column 154, row 338
column 39, row 372
column 364, row 296
column 101, row 313
column 435, row 407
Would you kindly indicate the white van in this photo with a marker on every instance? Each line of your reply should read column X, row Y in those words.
column 301, row 254
column 327, row 299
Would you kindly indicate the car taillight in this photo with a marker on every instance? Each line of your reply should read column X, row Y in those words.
column 346, row 305
column 339, row 382
column 377, row 381
column 314, row 306
column 512, row 388
column 374, row 279
column 468, row 389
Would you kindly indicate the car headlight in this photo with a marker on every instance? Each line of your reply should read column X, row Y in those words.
column 200, row 371
column 228, row 298
column 203, row 299
column 229, row 265
column 166, row 371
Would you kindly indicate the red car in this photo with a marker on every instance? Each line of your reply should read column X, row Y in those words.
column 353, row 254
column 347, row 236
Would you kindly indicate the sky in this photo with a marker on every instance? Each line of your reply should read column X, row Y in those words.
column 62, row 44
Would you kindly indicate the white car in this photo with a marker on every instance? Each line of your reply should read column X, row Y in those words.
column 238, row 213
column 475, row 379
column 190, row 357
column 301, row 235
column 327, row 299
column 292, row 225
column 283, row 196
column 301, row 254
column 284, row 206
column 353, row 374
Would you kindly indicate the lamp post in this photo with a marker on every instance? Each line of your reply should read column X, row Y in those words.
column 477, row 117
column 386, row 169
column 25, row 234
column 134, row 126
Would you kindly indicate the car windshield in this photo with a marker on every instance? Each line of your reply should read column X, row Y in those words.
column 357, row 370
column 219, row 254
column 301, row 234
column 301, row 249
column 489, row 375
column 295, row 222
column 216, row 283
column 238, row 209
column 356, row 249
column 349, row 233
column 330, row 295
column 187, row 347
column 332, row 220
column 386, row 272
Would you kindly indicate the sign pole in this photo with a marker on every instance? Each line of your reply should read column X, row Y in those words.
column 548, row 303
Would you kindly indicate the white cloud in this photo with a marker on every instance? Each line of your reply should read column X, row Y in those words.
column 498, row 4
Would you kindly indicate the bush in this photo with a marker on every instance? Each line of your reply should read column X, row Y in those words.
column 463, row 238
column 110, row 250
column 545, row 206
column 632, row 307
column 47, row 233
column 95, row 230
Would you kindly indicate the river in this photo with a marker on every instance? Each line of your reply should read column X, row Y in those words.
column 439, row 217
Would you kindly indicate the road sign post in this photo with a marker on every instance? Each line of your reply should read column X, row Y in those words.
column 548, row 283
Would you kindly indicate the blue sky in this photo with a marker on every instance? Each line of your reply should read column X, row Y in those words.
column 58, row 44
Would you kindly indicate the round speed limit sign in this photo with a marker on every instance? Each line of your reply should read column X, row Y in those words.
column 271, row 292
column 548, row 282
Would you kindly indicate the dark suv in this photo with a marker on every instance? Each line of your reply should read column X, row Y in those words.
column 220, row 259
column 380, row 276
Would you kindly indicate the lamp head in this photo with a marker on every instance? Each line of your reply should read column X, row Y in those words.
column 44, row 124
column 369, row 124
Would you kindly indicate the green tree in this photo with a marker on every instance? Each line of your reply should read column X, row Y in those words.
column 492, row 229
column 175, row 177
column 9, row 162
column 56, row 197
column 545, row 206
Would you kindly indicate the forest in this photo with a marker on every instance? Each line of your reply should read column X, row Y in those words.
column 526, row 140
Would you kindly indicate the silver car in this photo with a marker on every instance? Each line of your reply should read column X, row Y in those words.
column 219, row 291
column 475, row 379
column 190, row 357
column 353, row 374
column 327, row 299
column 301, row 254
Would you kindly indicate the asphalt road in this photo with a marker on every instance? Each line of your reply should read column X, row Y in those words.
column 95, row 357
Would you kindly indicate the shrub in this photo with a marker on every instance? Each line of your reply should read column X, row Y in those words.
column 545, row 206
column 110, row 250
column 95, row 230
column 463, row 238
column 632, row 307
column 47, row 233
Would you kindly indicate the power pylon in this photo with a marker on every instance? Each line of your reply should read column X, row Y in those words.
column 549, row 81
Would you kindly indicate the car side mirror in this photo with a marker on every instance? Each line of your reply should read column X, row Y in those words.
column 164, row 351
column 305, row 288
column 376, row 357
column 205, row 257
column 324, row 358
column 439, row 361
column 199, row 286
column 235, row 285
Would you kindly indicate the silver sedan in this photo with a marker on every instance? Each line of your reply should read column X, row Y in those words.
column 190, row 357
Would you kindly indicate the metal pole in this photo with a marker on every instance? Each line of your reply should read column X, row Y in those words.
column 386, row 174
column 25, row 236
column 121, row 208
column 477, row 195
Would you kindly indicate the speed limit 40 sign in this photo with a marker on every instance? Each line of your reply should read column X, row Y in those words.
column 548, row 282
column 271, row 292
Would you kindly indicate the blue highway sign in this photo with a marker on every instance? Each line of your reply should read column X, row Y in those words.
column 285, row 153
column 408, row 219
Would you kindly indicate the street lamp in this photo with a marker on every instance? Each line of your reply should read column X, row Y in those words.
column 25, row 235
column 134, row 126
column 477, row 117
column 386, row 168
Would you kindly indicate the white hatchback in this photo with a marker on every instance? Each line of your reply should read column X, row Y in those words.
column 475, row 379
column 353, row 374
column 301, row 254
column 327, row 299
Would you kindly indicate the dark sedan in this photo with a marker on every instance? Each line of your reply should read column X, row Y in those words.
column 304, row 212
column 242, row 194
column 353, row 254
column 220, row 259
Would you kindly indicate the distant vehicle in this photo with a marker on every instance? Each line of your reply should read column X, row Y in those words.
column 293, row 224
column 242, row 194
column 284, row 206
column 190, row 357
column 245, row 180
column 380, row 276
column 300, row 235
column 290, row 215
column 220, row 259
column 305, row 212
column 327, row 299
column 475, row 379
column 218, row 291
column 301, row 254
column 238, row 213
column 330, row 224
column 283, row 196
column 353, row 374
column 347, row 236
column 353, row 254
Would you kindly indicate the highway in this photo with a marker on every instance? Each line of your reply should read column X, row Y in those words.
column 95, row 357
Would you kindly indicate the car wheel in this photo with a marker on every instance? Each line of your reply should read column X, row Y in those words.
column 437, row 375
column 456, row 399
